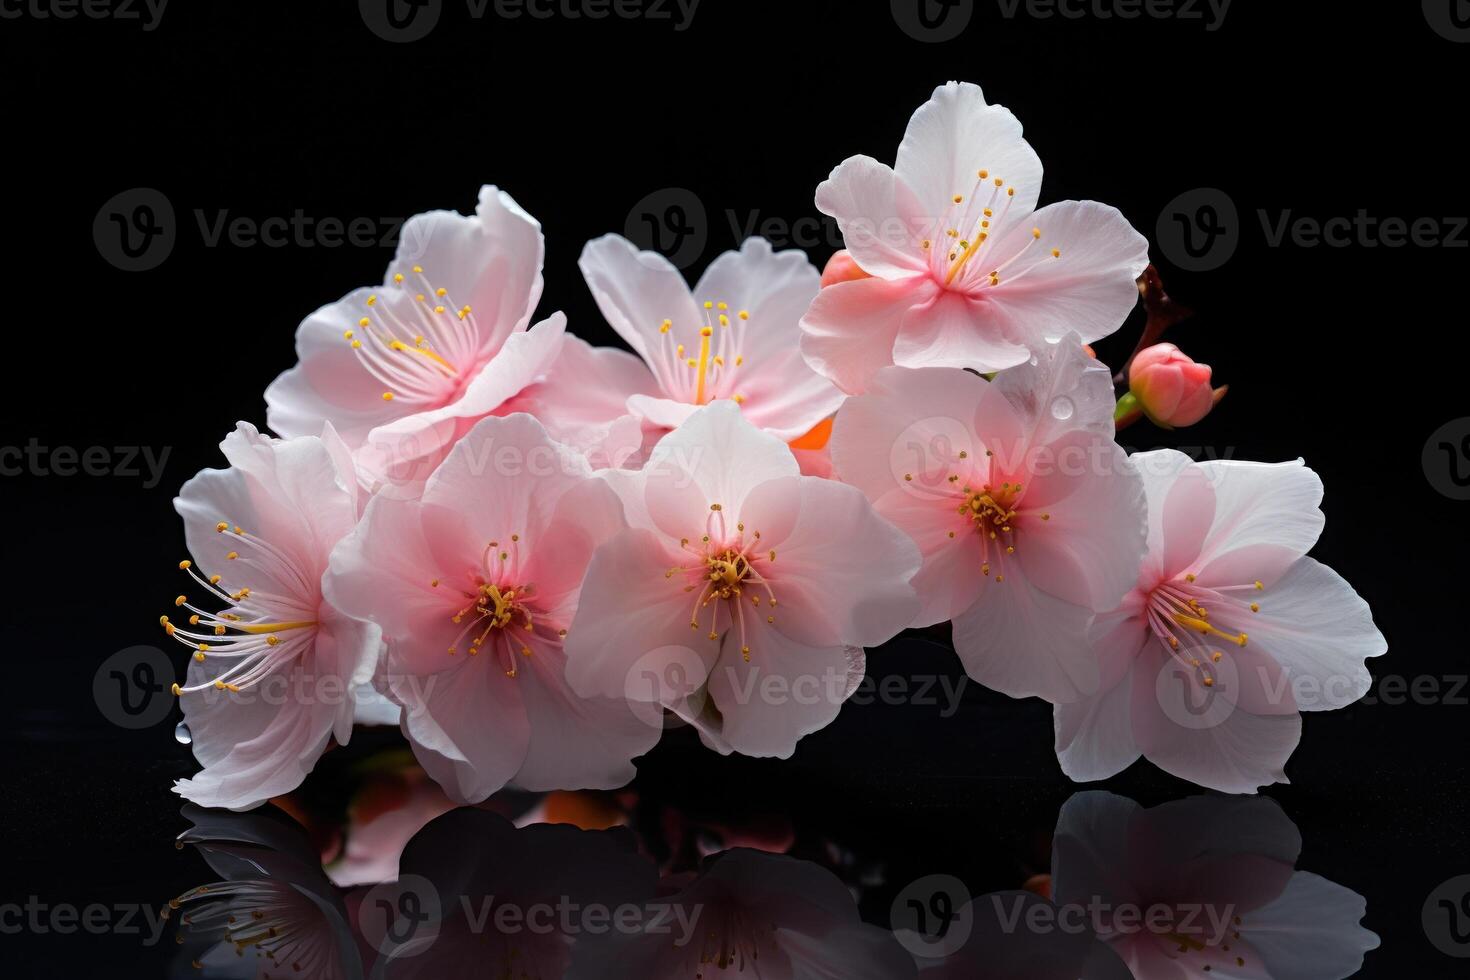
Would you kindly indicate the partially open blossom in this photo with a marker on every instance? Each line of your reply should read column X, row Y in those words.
column 404, row 369
column 1172, row 389
column 733, row 338
column 965, row 272
column 752, row 914
column 273, row 664
column 1227, row 634
column 841, row 267
column 474, row 585
column 1029, row 516
column 756, row 586
column 1217, row 877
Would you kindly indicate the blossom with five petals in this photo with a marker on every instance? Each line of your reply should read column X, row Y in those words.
column 965, row 271
column 404, row 369
column 474, row 585
column 755, row 585
column 1227, row 634
column 272, row 673
column 1029, row 516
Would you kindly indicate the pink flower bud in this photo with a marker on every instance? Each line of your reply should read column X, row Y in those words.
column 1171, row 388
column 841, row 268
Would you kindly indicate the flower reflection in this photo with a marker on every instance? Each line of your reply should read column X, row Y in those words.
column 1198, row 889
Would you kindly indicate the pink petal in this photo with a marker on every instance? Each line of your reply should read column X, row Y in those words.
column 955, row 330
column 632, row 618
column 636, row 291
column 1277, row 505
column 881, row 219
column 787, row 690
column 955, row 135
column 849, row 332
column 841, row 573
column 1089, row 290
column 1024, row 642
column 1237, row 753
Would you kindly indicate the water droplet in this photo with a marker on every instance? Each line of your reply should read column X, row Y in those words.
column 182, row 734
column 1034, row 360
column 1062, row 408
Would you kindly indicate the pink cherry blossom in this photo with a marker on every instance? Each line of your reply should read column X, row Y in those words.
column 474, row 585
column 965, row 271
column 404, row 369
column 273, row 670
column 757, row 915
column 1028, row 515
column 734, row 337
column 1228, row 632
column 1220, row 877
column 747, row 588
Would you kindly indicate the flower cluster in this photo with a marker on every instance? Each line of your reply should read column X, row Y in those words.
column 533, row 553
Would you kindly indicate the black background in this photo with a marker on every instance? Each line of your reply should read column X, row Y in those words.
column 1350, row 357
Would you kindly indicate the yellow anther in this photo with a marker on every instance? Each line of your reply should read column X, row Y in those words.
column 440, row 291
column 222, row 526
column 180, row 600
column 184, row 565
column 387, row 396
column 418, row 268
column 398, row 277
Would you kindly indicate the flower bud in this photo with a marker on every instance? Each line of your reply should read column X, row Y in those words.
column 1171, row 388
column 841, row 268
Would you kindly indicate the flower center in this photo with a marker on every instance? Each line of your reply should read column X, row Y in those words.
column 992, row 512
column 724, row 572
column 416, row 343
column 260, row 632
column 1192, row 621
column 968, row 229
column 711, row 372
column 495, row 609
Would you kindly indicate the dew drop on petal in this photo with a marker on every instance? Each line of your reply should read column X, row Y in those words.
column 1062, row 408
column 1034, row 360
column 182, row 735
